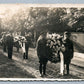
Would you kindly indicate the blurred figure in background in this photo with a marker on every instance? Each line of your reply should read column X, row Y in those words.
column 27, row 44
column 10, row 45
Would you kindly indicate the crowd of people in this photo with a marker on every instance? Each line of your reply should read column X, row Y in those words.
column 9, row 40
column 50, row 47
column 55, row 48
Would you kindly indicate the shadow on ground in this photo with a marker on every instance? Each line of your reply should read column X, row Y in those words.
column 8, row 69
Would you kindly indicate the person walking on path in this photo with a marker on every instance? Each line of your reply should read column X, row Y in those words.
column 42, row 53
column 10, row 45
column 27, row 44
column 68, row 53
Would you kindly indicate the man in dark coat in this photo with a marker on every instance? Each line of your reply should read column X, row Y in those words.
column 68, row 53
column 27, row 45
column 10, row 45
column 42, row 53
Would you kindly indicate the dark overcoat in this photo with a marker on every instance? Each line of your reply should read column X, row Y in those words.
column 68, row 53
column 28, row 42
column 10, row 42
column 42, row 50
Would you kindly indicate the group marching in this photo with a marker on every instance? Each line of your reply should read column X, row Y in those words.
column 50, row 47
column 8, row 41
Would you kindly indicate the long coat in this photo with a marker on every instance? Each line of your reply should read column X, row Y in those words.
column 42, row 51
column 10, row 42
column 28, row 42
column 68, row 53
column 10, row 46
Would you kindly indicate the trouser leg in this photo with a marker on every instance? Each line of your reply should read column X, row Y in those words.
column 4, row 48
column 23, row 55
column 10, row 53
column 44, row 69
column 40, row 68
column 67, row 68
column 27, row 52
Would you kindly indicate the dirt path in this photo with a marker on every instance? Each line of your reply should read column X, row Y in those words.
column 9, row 68
column 31, row 67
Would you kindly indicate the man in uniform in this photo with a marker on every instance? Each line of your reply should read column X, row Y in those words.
column 10, row 45
column 68, row 53
column 42, row 53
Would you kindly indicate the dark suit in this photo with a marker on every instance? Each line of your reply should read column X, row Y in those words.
column 42, row 55
column 68, row 54
column 10, row 46
column 27, row 45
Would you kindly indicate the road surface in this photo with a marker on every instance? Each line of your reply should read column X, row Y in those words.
column 20, row 68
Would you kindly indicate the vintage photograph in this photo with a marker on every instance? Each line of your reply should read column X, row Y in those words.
column 41, row 41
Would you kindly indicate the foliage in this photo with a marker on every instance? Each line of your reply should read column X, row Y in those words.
column 41, row 18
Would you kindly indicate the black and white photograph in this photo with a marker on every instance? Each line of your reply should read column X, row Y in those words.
column 41, row 42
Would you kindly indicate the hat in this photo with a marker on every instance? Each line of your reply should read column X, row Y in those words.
column 68, row 33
